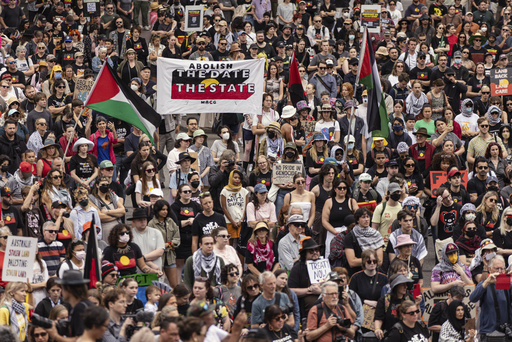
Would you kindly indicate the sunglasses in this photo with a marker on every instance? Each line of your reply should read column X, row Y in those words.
column 495, row 103
column 342, row 188
column 42, row 123
column 43, row 334
column 203, row 194
column 57, row 177
column 186, row 192
column 409, row 165
column 412, row 206
column 253, row 287
column 4, row 237
column 300, row 182
column 484, row 126
column 483, row 167
column 321, row 68
column 477, row 40
column 373, row 261
column 150, row 170
column 224, row 236
column 109, row 169
column 52, row 231
column 223, row 43
column 124, row 233
column 60, row 87
column 412, row 313
column 233, row 274
column 493, row 200
column 4, row 86
column 486, row 92
column 201, row 43
column 278, row 318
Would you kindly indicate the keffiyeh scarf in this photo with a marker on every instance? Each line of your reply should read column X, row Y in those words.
column 206, row 263
column 368, row 238
column 262, row 252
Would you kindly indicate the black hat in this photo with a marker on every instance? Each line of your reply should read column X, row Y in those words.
column 183, row 156
column 280, row 44
column 421, row 54
column 278, row 58
column 57, row 204
column 254, row 46
column 308, row 243
column 400, row 279
column 72, row 277
column 139, row 213
column 204, row 34
column 353, row 61
column 449, row 71
column 392, row 162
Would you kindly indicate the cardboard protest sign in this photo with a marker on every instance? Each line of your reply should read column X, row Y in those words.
column 432, row 299
column 370, row 17
column 282, row 173
column 318, row 270
column 309, row 129
column 19, row 258
column 194, row 18
column 438, row 178
column 82, row 90
column 500, row 82
column 369, row 317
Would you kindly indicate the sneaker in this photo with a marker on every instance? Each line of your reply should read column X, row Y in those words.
column 146, row 28
column 240, row 142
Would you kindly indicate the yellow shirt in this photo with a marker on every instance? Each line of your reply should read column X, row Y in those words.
column 22, row 324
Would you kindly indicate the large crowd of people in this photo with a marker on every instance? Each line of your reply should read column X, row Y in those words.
column 230, row 245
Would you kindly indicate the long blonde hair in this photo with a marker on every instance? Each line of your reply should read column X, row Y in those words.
column 506, row 212
column 482, row 208
column 313, row 153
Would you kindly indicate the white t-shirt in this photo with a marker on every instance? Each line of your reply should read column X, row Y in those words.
column 138, row 187
column 467, row 124
column 331, row 126
column 65, row 267
column 39, row 276
column 152, row 239
column 23, row 65
column 219, row 147
column 235, row 203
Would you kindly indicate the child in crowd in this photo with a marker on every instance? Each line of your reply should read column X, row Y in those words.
column 152, row 296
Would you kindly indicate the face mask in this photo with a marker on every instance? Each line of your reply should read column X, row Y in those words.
column 134, row 87
column 471, row 233
column 470, row 217
column 350, row 146
column 351, row 37
column 365, row 100
column 346, row 14
column 484, row 29
column 490, row 256
column 509, row 221
column 58, row 75
column 84, row 202
column 195, row 184
column 290, row 155
column 395, row 197
column 397, row 128
column 5, row 168
column 124, row 238
column 104, row 189
column 225, row 136
column 453, row 257
column 80, row 255
column 492, row 188
column 271, row 134
column 458, row 60
column 469, row 109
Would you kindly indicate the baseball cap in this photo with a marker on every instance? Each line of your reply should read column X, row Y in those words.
column 450, row 71
column 329, row 62
column 503, row 56
column 491, row 179
column 392, row 162
column 365, row 177
column 260, row 188
column 253, row 46
column 280, row 45
column 296, row 219
column 457, row 54
column 394, row 187
column 106, row 164
column 353, row 61
column 453, row 173
column 25, row 167
column 57, row 204
column 6, row 191
column 68, row 39
column 200, row 40
column 156, row 192
column 78, row 54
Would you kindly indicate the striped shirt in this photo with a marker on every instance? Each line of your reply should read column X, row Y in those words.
column 51, row 254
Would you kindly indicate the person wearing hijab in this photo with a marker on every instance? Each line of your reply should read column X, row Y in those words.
column 449, row 271
column 494, row 116
column 468, row 242
column 453, row 329
column 237, row 197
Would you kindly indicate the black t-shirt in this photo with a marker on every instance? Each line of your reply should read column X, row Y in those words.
column 372, row 171
column 184, row 212
column 122, row 130
column 368, row 288
column 316, row 164
column 16, row 77
column 125, row 260
column 414, row 265
column 287, row 334
column 476, row 84
column 351, row 242
column 57, row 102
column 12, row 219
column 388, row 314
column 82, row 167
column 204, row 225
column 422, row 75
column 134, row 307
column 220, row 56
column 77, row 323
column 501, row 241
column 67, row 57
column 414, row 180
column 264, row 178
column 12, row 16
column 419, row 333
column 131, row 143
column 476, row 185
column 262, row 265
column 448, row 218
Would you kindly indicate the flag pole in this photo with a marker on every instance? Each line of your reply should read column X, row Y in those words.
column 363, row 50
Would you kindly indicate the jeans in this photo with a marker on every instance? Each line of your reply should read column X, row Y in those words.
column 166, row 142
column 143, row 7
column 280, row 199
column 119, row 167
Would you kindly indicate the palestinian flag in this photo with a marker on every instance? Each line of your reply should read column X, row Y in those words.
column 92, row 270
column 109, row 95
column 294, row 83
column 377, row 117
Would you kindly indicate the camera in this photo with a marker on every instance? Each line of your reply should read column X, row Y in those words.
column 343, row 322
column 139, row 317
column 231, row 162
column 287, row 309
column 505, row 329
column 46, row 323
column 340, row 339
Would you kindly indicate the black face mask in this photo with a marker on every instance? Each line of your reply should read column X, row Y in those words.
column 492, row 188
column 290, row 155
column 84, row 202
column 104, row 189
column 471, row 233
column 271, row 134
column 5, row 168
column 395, row 197
column 195, row 184
column 509, row 221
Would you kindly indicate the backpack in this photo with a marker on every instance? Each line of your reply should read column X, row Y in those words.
column 320, row 313
column 66, row 261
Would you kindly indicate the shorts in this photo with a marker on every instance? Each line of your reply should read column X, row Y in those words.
column 166, row 265
column 235, row 233
column 248, row 136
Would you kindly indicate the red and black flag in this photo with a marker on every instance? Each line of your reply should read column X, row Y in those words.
column 295, row 84
column 92, row 269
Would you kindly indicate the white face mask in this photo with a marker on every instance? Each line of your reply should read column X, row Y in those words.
column 365, row 100
column 80, row 255
column 351, row 37
column 124, row 238
column 225, row 136
column 470, row 217
column 134, row 87
column 484, row 29
column 346, row 14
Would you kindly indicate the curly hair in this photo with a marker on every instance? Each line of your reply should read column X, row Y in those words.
column 440, row 157
column 488, row 150
column 113, row 237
